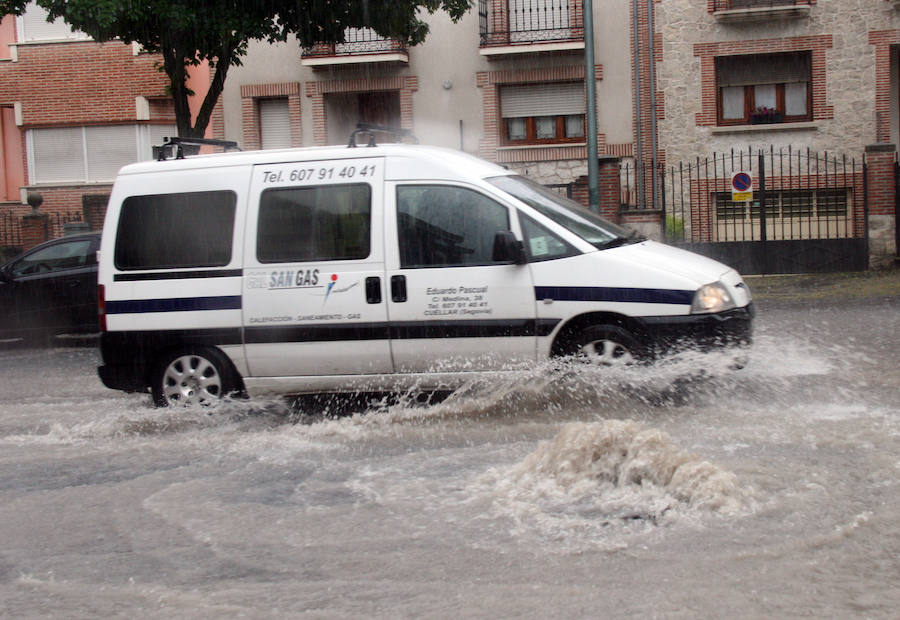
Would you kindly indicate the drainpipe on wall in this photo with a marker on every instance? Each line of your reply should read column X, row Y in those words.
column 653, row 143
column 639, row 156
column 590, row 87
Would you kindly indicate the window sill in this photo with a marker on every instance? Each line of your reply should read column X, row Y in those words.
column 555, row 145
column 765, row 127
column 507, row 51
column 541, row 152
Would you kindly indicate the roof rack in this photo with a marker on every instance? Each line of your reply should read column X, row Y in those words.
column 371, row 129
column 173, row 147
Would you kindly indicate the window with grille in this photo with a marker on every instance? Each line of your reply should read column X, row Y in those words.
column 787, row 204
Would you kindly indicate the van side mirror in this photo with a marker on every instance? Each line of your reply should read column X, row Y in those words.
column 508, row 249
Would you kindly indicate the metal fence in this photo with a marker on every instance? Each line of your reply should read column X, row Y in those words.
column 357, row 41
column 802, row 211
column 529, row 21
column 724, row 5
column 10, row 235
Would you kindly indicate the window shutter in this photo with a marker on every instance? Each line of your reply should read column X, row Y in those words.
column 35, row 27
column 58, row 155
column 542, row 100
column 762, row 69
column 275, row 123
column 108, row 149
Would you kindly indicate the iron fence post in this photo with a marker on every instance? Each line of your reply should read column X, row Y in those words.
column 762, row 209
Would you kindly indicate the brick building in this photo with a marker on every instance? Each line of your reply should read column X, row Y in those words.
column 72, row 112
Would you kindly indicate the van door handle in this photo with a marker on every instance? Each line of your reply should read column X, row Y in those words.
column 398, row 289
column 373, row 290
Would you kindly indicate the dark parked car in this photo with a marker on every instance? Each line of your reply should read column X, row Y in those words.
column 51, row 289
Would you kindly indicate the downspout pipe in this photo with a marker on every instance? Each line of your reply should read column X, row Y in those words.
column 590, row 88
column 653, row 140
column 638, row 129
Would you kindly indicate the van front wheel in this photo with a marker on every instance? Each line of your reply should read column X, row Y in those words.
column 605, row 345
column 192, row 376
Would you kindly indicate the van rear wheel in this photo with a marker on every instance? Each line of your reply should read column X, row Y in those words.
column 192, row 376
column 605, row 345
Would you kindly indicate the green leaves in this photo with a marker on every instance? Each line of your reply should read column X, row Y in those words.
column 187, row 32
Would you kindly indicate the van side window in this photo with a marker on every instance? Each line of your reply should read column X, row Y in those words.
column 163, row 231
column 320, row 223
column 445, row 226
column 541, row 244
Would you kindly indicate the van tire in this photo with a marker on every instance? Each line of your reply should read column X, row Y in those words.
column 190, row 376
column 605, row 345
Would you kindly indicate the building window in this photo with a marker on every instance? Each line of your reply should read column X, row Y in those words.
column 90, row 154
column 543, row 113
column 33, row 26
column 274, row 123
column 786, row 204
column 764, row 88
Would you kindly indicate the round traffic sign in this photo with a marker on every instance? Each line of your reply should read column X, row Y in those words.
column 741, row 182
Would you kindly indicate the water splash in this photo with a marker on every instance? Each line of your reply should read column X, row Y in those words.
column 595, row 481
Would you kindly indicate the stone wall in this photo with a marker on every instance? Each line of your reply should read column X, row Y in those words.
column 837, row 32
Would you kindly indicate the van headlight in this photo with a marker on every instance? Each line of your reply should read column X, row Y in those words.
column 710, row 298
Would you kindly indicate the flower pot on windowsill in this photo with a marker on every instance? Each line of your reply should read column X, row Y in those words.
column 766, row 118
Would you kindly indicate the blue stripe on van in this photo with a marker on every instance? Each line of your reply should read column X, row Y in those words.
column 177, row 304
column 605, row 293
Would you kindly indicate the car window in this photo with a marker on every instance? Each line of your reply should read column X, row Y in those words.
column 541, row 244
column 57, row 257
column 446, row 226
column 178, row 230
column 319, row 223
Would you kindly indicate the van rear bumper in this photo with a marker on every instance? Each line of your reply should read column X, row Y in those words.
column 701, row 331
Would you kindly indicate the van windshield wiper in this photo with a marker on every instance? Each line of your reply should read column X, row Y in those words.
column 633, row 237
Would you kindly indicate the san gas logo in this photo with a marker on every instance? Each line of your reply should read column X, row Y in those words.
column 333, row 288
column 285, row 279
column 299, row 279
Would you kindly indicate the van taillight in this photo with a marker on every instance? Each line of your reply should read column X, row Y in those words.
column 101, row 306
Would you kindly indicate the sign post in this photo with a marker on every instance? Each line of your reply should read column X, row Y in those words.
column 741, row 187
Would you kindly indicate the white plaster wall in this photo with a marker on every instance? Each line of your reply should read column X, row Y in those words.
column 450, row 55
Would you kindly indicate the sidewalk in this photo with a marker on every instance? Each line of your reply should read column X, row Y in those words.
column 834, row 286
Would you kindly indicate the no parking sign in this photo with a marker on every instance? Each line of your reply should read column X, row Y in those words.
column 741, row 187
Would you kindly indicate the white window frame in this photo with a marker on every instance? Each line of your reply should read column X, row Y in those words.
column 143, row 143
column 35, row 12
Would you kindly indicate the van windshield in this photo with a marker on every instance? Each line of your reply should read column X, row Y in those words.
column 596, row 230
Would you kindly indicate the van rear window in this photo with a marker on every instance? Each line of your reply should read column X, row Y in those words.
column 165, row 231
column 320, row 223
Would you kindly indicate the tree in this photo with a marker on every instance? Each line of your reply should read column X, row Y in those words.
column 187, row 32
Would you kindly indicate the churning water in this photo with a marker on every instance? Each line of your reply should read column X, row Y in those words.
column 684, row 489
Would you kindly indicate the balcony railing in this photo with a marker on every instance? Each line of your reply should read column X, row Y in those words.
column 357, row 42
column 517, row 22
column 759, row 10
column 727, row 5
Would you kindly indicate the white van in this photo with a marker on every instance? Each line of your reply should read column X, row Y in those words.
column 355, row 269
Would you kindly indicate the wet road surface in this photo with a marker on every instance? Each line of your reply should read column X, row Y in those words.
column 682, row 490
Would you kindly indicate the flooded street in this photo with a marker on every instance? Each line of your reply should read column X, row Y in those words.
column 563, row 492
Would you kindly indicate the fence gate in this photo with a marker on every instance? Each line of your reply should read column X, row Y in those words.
column 808, row 211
